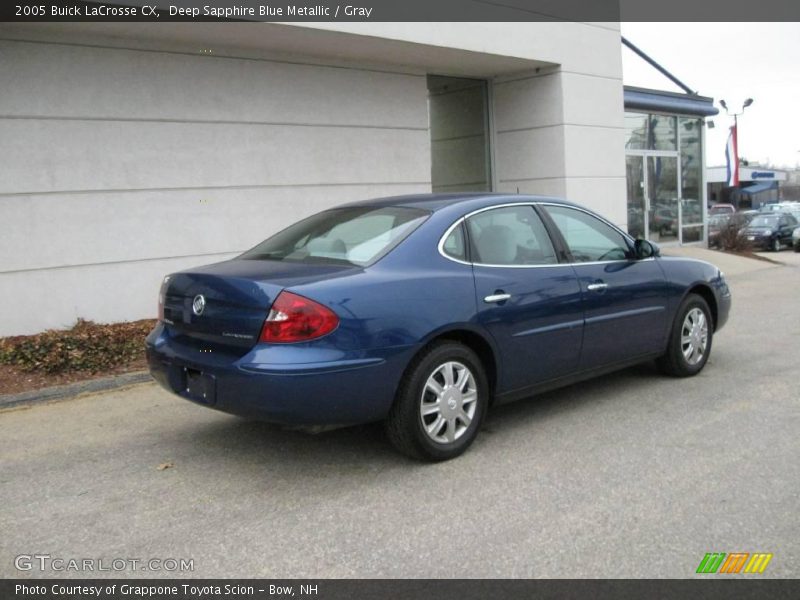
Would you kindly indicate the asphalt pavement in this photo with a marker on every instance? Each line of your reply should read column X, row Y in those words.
column 630, row 475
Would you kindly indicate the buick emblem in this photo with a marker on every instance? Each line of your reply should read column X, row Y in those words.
column 199, row 304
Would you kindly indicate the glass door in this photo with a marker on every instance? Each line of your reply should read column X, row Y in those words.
column 637, row 205
column 662, row 198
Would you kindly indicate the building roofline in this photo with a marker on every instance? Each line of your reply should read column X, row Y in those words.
column 646, row 99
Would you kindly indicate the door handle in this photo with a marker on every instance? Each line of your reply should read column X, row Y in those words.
column 496, row 298
column 597, row 287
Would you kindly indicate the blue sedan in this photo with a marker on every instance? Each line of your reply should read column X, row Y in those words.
column 424, row 311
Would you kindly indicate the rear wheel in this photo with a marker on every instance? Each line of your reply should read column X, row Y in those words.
column 440, row 404
column 690, row 339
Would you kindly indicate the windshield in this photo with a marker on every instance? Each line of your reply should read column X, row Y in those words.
column 718, row 220
column 764, row 221
column 356, row 236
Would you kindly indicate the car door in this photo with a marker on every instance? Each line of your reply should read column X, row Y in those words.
column 527, row 300
column 786, row 225
column 624, row 299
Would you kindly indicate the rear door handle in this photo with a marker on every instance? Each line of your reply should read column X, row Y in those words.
column 496, row 298
column 597, row 287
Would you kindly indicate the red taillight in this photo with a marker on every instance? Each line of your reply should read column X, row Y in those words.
column 162, row 294
column 294, row 318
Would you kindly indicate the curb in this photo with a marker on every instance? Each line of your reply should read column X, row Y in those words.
column 73, row 389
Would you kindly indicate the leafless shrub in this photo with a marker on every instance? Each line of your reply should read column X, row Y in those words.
column 729, row 239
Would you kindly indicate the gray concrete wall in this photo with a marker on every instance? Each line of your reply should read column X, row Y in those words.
column 561, row 133
column 458, row 126
column 134, row 150
column 123, row 165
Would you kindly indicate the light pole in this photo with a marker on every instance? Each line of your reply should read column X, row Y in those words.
column 745, row 104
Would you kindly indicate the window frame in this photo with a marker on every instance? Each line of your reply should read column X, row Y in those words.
column 556, row 239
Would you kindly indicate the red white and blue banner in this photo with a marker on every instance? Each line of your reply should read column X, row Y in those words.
column 732, row 158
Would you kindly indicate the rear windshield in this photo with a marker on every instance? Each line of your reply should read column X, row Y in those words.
column 355, row 236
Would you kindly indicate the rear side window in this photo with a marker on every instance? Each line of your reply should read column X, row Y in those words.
column 455, row 245
column 589, row 239
column 512, row 235
column 357, row 236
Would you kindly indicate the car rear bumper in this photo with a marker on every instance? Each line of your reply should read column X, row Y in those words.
column 355, row 388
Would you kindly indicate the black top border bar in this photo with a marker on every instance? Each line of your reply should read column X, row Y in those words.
column 400, row 10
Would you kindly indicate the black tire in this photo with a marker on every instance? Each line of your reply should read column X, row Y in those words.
column 776, row 245
column 797, row 247
column 673, row 362
column 405, row 426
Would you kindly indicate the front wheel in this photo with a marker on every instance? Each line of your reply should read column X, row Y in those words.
column 690, row 339
column 776, row 245
column 440, row 404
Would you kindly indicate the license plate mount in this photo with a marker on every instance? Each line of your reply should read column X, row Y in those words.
column 199, row 387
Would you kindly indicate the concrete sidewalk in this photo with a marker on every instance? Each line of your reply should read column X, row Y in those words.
column 730, row 264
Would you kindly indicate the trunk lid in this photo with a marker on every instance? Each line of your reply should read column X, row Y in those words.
column 222, row 307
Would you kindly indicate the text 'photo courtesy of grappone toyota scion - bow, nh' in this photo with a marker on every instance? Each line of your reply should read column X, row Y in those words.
column 426, row 310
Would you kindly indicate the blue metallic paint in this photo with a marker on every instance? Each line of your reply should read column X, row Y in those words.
column 551, row 328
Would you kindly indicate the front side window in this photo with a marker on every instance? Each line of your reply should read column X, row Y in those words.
column 512, row 235
column 588, row 238
column 357, row 236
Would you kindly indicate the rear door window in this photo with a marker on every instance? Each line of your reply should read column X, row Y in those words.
column 511, row 235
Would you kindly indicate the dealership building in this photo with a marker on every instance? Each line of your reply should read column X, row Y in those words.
column 132, row 150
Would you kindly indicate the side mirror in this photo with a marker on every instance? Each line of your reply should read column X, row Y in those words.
column 645, row 249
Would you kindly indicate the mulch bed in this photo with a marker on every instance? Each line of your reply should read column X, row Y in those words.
column 85, row 352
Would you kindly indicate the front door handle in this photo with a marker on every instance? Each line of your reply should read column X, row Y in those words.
column 597, row 287
column 496, row 298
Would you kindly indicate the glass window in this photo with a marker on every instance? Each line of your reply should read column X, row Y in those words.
column 635, row 131
column 513, row 235
column 693, row 233
column 663, row 133
column 357, row 235
column 588, row 238
column 765, row 221
column 691, row 173
column 650, row 132
column 455, row 245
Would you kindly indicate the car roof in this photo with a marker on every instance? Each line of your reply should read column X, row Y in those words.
column 435, row 202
